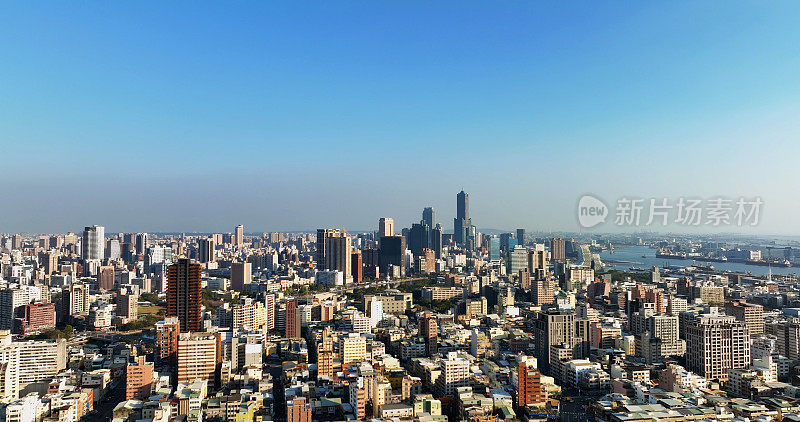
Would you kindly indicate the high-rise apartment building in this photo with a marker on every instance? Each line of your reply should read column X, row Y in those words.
column 552, row 328
column 337, row 254
column 298, row 410
column 28, row 362
column 429, row 330
column 34, row 318
column 716, row 344
column 167, row 332
column 750, row 313
column 455, row 374
column 558, row 250
column 292, row 320
column 183, row 294
column 198, row 357
column 529, row 384
column 542, row 291
column 75, row 300
column 105, row 277
column 238, row 237
column 138, row 379
column 93, row 243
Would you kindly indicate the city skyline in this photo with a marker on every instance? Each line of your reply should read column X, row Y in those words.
column 525, row 106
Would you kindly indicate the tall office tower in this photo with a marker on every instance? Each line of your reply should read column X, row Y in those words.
column 198, row 357
column 238, row 237
column 436, row 240
column 337, row 253
column 241, row 275
column 298, row 410
column 319, row 257
column 716, row 344
column 750, row 313
column 93, row 243
column 292, row 321
column 140, row 241
column 552, row 328
column 419, row 238
column 183, row 294
column 138, row 379
column 29, row 362
column 494, row 248
column 357, row 266
column 105, row 277
column 206, row 250
column 529, row 384
column 393, row 253
column 113, row 250
column 167, row 332
column 517, row 259
column 385, row 227
column 521, row 237
column 429, row 330
column 75, row 299
column 558, row 250
column 462, row 222
column 429, row 217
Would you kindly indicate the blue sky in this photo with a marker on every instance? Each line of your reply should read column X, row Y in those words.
column 197, row 116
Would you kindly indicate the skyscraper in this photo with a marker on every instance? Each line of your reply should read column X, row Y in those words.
column 521, row 237
column 292, row 321
column 429, row 330
column 241, row 275
column 167, row 332
column 238, row 238
column 357, row 266
column 429, row 217
column 93, row 243
column 183, row 294
column 558, row 250
column 385, row 227
column 419, row 237
column 198, row 357
column 716, row 344
column 335, row 252
column 462, row 222
column 140, row 243
column 436, row 240
column 206, row 250
column 105, row 277
column 552, row 328
column 393, row 253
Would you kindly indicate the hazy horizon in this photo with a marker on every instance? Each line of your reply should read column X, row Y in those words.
column 197, row 116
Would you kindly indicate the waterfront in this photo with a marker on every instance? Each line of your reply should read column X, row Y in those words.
column 632, row 257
